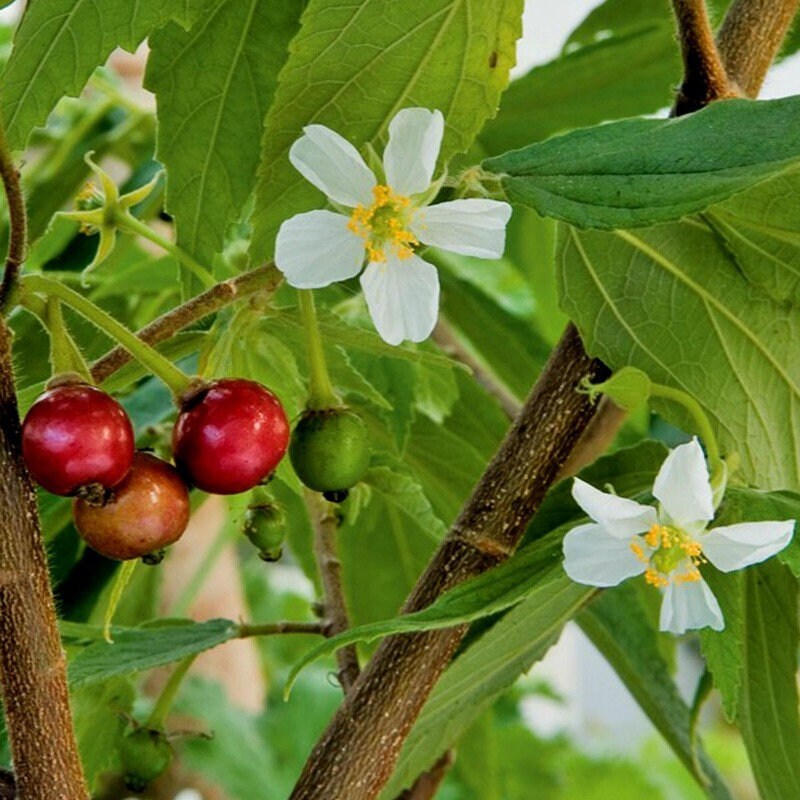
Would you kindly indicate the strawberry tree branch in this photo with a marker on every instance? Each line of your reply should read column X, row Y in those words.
column 751, row 36
column 32, row 665
column 335, row 616
column 357, row 753
column 426, row 786
column 704, row 76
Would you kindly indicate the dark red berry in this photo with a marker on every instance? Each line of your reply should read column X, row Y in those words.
column 148, row 511
column 76, row 435
column 230, row 436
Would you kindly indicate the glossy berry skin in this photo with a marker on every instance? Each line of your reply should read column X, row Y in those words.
column 230, row 436
column 148, row 511
column 76, row 435
column 330, row 450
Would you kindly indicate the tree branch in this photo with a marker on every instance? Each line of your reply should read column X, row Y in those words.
column 704, row 77
column 279, row 628
column 751, row 36
column 335, row 616
column 358, row 752
column 428, row 783
column 266, row 279
column 32, row 667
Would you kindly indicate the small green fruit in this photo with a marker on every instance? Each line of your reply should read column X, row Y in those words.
column 145, row 754
column 330, row 449
column 265, row 527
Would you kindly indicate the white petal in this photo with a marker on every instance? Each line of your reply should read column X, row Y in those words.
column 333, row 165
column 403, row 298
column 682, row 485
column 415, row 136
column 689, row 606
column 734, row 547
column 620, row 516
column 471, row 227
column 593, row 557
column 317, row 248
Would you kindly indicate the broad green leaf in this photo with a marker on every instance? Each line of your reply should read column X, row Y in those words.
column 618, row 626
column 352, row 67
column 761, row 228
column 643, row 171
column 621, row 76
column 616, row 17
column 484, row 670
column 209, row 130
column 60, row 42
column 768, row 707
column 137, row 649
column 670, row 301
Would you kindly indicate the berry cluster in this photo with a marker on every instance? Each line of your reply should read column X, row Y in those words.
column 77, row 441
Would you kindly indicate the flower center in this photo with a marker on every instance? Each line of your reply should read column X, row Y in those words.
column 385, row 224
column 675, row 558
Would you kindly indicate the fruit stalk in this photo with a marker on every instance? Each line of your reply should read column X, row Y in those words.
column 321, row 392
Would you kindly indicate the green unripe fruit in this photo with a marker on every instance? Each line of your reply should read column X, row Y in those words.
column 330, row 450
column 265, row 527
column 145, row 754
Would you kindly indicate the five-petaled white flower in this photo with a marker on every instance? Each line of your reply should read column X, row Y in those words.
column 384, row 222
column 669, row 543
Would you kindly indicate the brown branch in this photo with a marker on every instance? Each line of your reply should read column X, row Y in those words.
column 448, row 342
column 33, row 670
column 359, row 750
column 279, row 628
column 596, row 439
column 751, row 36
column 334, row 607
column 266, row 279
column 428, row 783
column 704, row 77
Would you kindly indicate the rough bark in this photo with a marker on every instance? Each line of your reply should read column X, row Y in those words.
column 358, row 752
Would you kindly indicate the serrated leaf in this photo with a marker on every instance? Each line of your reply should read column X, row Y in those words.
column 60, row 42
column 209, row 130
column 137, row 649
column 642, row 171
column 670, row 301
column 618, row 626
column 768, row 709
column 453, row 55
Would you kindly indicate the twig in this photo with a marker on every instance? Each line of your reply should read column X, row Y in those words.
column 447, row 340
column 704, row 77
column 18, row 226
column 32, row 665
column 279, row 628
column 335, row 616
column 266, row 279
column 426, row 786
column 751, row 36
column 357, row 753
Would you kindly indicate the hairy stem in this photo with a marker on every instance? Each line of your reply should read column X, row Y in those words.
column 265, row 279
column 18, row 224
column 704, row 77
column 751, row 36
column 335, row 616
column 358, row 752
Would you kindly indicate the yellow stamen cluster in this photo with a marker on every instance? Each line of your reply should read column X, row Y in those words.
column 384, row 223
column 672, row 549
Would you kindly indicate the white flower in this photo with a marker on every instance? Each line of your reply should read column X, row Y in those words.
column 667, row 544
column 384, row 223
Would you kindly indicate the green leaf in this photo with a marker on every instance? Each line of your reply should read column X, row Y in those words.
column 137, row 649
column 761, row 228
column 209, row 130
column 643, row 171
column 484, row 670
column 621, row 76
column 60, row 42
column 768, row 708
column 618, row 626
column 453, row 55
column 669, row 301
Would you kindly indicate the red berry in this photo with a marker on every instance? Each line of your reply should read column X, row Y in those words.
column 230, row 436
column 75, row 435
column 148, row 511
